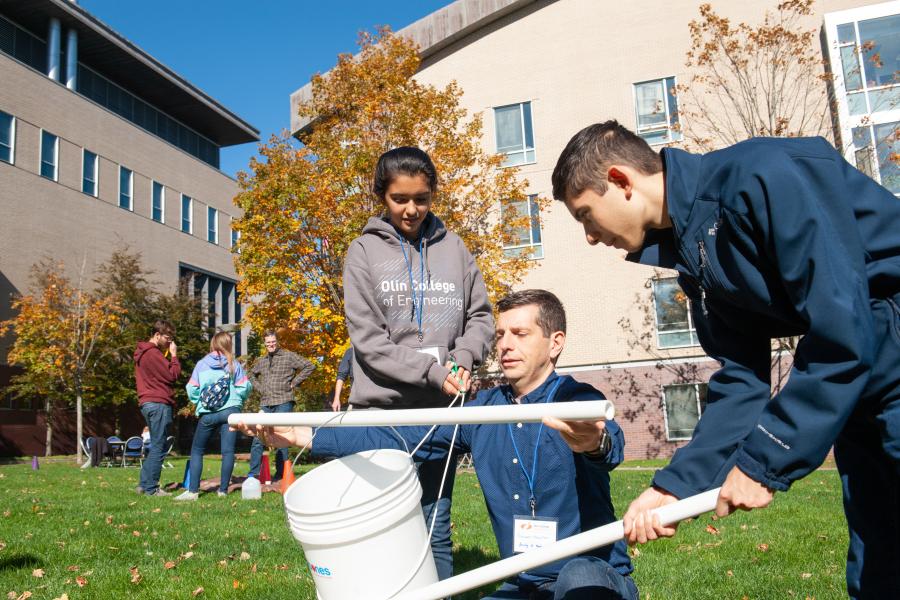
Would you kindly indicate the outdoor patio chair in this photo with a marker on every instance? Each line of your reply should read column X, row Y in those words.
column 133, row 451
column 116, row 446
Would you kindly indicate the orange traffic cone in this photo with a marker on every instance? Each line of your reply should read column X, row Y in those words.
column 287, row 478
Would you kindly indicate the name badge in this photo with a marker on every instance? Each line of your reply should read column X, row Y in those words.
column 433, row 351
column 531, row 533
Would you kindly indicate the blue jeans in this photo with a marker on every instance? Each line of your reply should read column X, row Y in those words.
column 430, row 473
column 867, row 453
column 159, row 418
column 256, row 447
column 209, row 423
column 582, row 578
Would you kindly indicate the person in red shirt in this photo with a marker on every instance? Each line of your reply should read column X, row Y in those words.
column 156, row 368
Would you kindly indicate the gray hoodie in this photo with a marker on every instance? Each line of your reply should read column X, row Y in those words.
column 390, row 371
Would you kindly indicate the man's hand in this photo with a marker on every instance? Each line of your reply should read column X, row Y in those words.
column 277, row 436
column 336, row 403
column 173, row 349
column 581, row 436
column 741, row 492
column 458, row 382
column 641, row 525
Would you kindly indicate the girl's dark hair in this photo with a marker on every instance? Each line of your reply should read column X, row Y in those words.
column 405, row 160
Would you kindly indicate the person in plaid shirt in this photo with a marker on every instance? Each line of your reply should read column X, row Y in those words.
column 275, row 376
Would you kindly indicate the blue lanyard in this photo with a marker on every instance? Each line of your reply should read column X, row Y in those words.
column 412, row 288
column 531, row 478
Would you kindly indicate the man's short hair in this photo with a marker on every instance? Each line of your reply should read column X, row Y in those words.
column 551, row 314
column 586, row 159
column 164, row 328
column 270, row 333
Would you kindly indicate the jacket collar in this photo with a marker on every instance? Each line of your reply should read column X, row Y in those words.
column 682, row 175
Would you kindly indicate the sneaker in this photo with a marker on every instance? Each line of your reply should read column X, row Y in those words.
column 221, row 494
column 138, row 490
column 187, row 496
column 160, row 492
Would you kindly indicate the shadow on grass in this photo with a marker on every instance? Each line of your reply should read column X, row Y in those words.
column 20, row 561
column 466, row 559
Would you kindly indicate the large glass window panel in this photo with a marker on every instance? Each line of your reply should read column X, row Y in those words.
column 884, row 99
column 856, row 103
column 880, row 43
column 524, row 226
column 158, row 200
column 49, row 153
column 89, row 173
column 7, row 137
column 850, row 66
column 656, row 111
column 846, row 33
column 212, row 225
column 126, row 178
column 651, row 104
column 186, row 216
column 515, row 133
column 887, row 147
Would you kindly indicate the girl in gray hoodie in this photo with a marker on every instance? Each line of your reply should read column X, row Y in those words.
column 416, row 305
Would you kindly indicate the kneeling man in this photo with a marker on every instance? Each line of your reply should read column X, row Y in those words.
column 552, row 476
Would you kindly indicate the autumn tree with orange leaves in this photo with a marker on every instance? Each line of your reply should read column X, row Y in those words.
column 747, row 81
column 61, row 333
column 304, row 203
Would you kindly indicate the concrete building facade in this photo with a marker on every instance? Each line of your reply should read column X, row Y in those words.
column 102, row 146
column 540, row 70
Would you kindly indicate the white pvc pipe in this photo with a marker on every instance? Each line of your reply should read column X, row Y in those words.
column 577, row 544
column 590, row 410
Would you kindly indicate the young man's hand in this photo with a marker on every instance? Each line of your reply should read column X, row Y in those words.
column 741, row 492
column 277, row 436
column 642, row 526
column 581, row 436
column 173, row 349
column 336, row 403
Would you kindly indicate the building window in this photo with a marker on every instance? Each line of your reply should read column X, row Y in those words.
column 523, row 218
column 186, row 210
column 674, row 323
column 7, row 137
column 682, row 407
column 212, row 225
column 89, row 172
column 235, row 236
column 126, row 185
column 864, row 46
column 158, row 202
column 515, row 134
column 49, row 154
column 656, row 110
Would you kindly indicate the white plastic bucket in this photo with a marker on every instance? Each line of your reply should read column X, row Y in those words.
column 360, row 523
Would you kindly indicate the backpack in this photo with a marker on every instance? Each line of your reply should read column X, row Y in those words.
column 214, row 397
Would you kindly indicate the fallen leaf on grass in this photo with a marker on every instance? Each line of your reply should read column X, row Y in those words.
column 712, row 530
column 156, row 510
column 253, row 568
column 263, row 537
column 7, row 513
column 235, row 584
column 634, row 552
column 12, row 595
column 2, row 546
column 192, row 546
column 25, row 596
column 136, row 533
column 805, row 575
column 169, row 564
column 136, row 576
column 762, row 547
column 282, row 568
column 72, row 568
column 244, row 556
column 37, row 573
column 730, row 573
column 109, row 519
column 63, row 597
column 81, row 581
column 197, row 592
column 187, row 555
column 132, row 503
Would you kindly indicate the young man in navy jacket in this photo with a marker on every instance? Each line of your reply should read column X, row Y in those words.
column 771, row 238
column 526, row 470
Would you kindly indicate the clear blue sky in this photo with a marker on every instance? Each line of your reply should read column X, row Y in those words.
column 251, row 54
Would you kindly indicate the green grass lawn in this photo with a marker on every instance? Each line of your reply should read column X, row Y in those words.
column 87, row 535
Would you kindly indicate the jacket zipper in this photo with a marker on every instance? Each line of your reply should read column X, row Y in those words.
column 704, row 260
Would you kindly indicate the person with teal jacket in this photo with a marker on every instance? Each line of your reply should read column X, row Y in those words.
column 219, row 363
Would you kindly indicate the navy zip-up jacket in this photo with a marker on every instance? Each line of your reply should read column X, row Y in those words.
column 569, row 486
column 775, row 238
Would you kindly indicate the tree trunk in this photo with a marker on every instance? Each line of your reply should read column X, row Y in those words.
column 48, row 405
column 78, row 427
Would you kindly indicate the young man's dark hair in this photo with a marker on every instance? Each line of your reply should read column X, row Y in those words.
column 587, row 157
column 551, row 314
column 163, row 327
